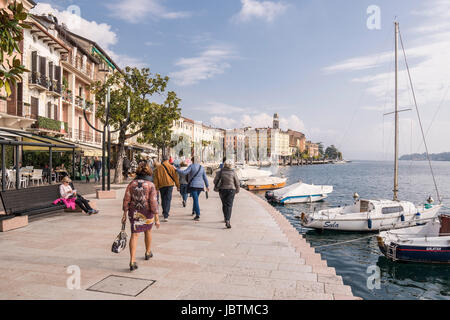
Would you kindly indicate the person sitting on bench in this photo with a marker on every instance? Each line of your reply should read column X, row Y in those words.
column 67, row 191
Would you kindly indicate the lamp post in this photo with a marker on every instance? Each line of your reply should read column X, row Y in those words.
column 106, row 141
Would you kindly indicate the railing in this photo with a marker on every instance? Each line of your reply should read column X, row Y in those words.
column 82, row 136
column 67, row 96
column 98, row 137
column 86, row 69
column 79, row 101
column 39, row 79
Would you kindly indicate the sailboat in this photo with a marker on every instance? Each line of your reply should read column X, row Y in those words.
column 377, row 215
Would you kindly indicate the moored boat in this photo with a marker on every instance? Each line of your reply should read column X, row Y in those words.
column 299, row 193
column 265, row 183
column 370, row 216
column 248, row 173
column 426, row 244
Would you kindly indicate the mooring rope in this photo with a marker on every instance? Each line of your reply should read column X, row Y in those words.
column 342, row 242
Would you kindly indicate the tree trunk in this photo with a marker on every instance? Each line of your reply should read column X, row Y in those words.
column 118, row 176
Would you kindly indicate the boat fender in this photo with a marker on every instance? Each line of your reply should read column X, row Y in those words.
column 402, row 218
column 369, row 223
column 418, row 215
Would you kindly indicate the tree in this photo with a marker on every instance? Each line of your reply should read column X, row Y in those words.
column 321, row 152
column 150, row 121
column 11, row 34
column 333, row 153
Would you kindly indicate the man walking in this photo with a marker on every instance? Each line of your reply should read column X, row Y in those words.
column 165, row 178
column 126, row 165
column 97, row 168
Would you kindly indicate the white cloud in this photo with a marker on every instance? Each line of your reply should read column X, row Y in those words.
column 218, row 108
column 100, row 33
column 223, row 122
column 265, row 10
column 134, row 11
column 264, row 120
column 211, row 62
column 427, row 52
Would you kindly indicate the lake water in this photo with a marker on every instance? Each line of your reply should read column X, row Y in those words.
column 373, row 180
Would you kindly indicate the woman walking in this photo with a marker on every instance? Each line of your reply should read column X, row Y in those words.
column 141, row 207
column 183, row 184
column 227, row 183
column 197, row 181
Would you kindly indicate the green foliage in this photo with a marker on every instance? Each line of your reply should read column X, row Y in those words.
column 46, row 123
column 39, row 159
column 151, row 121
column 333, row 153
column 11, row 33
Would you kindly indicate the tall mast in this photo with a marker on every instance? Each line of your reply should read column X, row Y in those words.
column 396, row 116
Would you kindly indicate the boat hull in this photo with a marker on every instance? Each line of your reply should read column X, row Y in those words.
column 418, row 254
column 303, row 199
column 374, row 225
column 266, row 187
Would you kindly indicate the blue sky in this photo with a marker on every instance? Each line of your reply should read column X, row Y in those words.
column 315, row 62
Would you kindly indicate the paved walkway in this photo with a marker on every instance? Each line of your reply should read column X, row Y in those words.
column 261, row 257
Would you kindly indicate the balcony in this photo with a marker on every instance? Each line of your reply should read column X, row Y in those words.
column 49, row 125
column 85, row 70
column 67, row 96
column 81, row 136
column 98, row 137
column 38, row 81
column 54, row 88
column 21, row 109
column 84, row 104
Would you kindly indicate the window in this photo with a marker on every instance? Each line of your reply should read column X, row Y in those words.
column 390, row 210
column 49, row 110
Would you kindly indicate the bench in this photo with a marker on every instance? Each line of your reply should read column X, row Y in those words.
column 31, row 201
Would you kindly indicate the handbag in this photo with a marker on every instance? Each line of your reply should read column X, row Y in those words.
column 217, row 185
column 121, row 241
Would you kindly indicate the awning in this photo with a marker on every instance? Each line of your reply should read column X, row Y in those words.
column 91, row 152
column 45, row 140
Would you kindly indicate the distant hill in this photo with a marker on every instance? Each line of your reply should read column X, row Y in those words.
column 445, row 156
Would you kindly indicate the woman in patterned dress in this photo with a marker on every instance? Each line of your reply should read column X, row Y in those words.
column 141, row 207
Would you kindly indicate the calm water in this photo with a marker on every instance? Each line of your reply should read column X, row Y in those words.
column 351, row 260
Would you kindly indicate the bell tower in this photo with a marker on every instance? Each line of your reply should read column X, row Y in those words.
column 276, row 121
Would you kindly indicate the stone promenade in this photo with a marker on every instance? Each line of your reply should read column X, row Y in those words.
column 261, row 257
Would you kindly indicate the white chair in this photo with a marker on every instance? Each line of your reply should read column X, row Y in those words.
column 12, row 180
column 37, row 176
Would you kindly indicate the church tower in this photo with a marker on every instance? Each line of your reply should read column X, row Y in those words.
column 276, row 121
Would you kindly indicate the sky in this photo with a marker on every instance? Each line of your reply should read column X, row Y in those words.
column 326, row 67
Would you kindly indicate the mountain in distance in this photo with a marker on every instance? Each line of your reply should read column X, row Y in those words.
column 445, row 156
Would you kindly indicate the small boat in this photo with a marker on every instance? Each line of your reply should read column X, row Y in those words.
column 371, row 215
column 299, row 193
column 265, row 183
column 248, row 173
column 426, row 244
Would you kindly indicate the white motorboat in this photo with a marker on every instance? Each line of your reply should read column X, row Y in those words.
column 299, row 193
column 376, row 215
column 427, row 244
column 248, row 173
column 265, row 183
column 371, row 215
